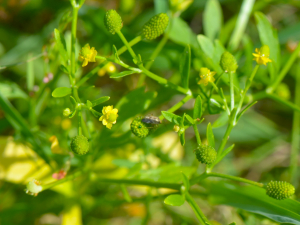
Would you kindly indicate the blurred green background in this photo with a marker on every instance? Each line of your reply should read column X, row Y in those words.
column 262, row 137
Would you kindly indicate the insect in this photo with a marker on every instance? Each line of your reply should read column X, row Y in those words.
column 151, row 120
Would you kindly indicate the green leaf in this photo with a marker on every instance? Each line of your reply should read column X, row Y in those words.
column 171, row 117
column 74, row 103
column 221, row 121
column 123, row 163
column 115, row 51
column 12, row 90
column 123, row 74
column 185, row 65
column 253, row 199
column 161, row 6
column 212, row 19
column 125, row 193
column 268, row 36
column 64, row 69
column 182, row 139
column 73, row 113
column 210, row 136
column 206, row 45
column 186, row 182
column 100, row 100
column 61, row 92
column 30, row 74
column 61, row 45
column 190, row 119
column 197, row 113
column 89, row 104
column 174, row 200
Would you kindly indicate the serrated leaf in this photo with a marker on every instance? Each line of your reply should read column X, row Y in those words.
column 171, row 117
column 89, row 104
column 61, row 92
column 197, row 113
column 174, row 200
column 212, row 19
column 61, row 45
column 268, row 36
column 123, row 74
column 185, row 65
column 190, row 119
column 100, row 100
column 210, row 136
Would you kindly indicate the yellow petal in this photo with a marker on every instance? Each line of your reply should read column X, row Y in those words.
column 101, row 118
column 115, row 111
column 109, row 125
column 104, row 122
column 85, row 62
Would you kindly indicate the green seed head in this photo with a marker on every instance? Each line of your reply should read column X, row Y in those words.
column 80, row 145
column 155, row 26
column 228, row 63
column 141, row 129
column 280, row 189
column 206, row 154
column 113, row 21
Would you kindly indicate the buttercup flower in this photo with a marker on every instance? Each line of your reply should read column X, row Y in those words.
column 206, row 76
column 262, row 55
column 87, row 54
column 109, row 116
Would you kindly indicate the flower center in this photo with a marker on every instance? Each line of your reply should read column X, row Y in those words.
column 112, row 118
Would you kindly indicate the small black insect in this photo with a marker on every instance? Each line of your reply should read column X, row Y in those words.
column 151, row 120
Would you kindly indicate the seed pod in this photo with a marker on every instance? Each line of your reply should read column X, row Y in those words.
column 141, row 129
column 80, row 145
column 113, row 21
column 280, row 189
column 228, row 62
column 206, row 154
column 155, row 26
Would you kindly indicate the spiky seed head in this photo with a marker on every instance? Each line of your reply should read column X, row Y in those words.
column 155, row 26
column 206, row 154
column 80, row 145
column 228, row 62
column 141, row 129
column 113, row 21
column 280, row 189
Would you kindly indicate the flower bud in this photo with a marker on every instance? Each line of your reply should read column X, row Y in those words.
column 80, row 145
column 113, row 21
column 141, row 129
column 155, row 26
column 33, row 187
column 206, row 154
column 67, row 112
column 283, row 91
column 280, row 189
column 228, row 62
column 176, row 128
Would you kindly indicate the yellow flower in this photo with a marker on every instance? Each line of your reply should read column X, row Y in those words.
column 262, row 55
column 87, row 54
column 206, row 76
column 109, row 116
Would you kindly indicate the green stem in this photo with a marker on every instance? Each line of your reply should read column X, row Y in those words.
column 198, row 178
column 199, row 214
column 177, row 105
column 248, row 84
column 231, row 91
column 96, row 69
column 153, row 76
column 153, row 56
column 284, row 70
column 79, row 121
column 73, row 42
column 197, row 134
column 295, row 132
column 225, row 138
column 236, row 179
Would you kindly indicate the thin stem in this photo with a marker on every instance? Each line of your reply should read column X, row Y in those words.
column 73, row 42
column 225, row 138
column 79, row 121
column 231, row 91
column 248, row 84
column 295, row 132
column 154, row 54
column 177, row 105
column 198, row 178
column 127, row 45
column 96, row 69
column 199, row 214
column 236, row 179
column 197, row 134
column 284, row 70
